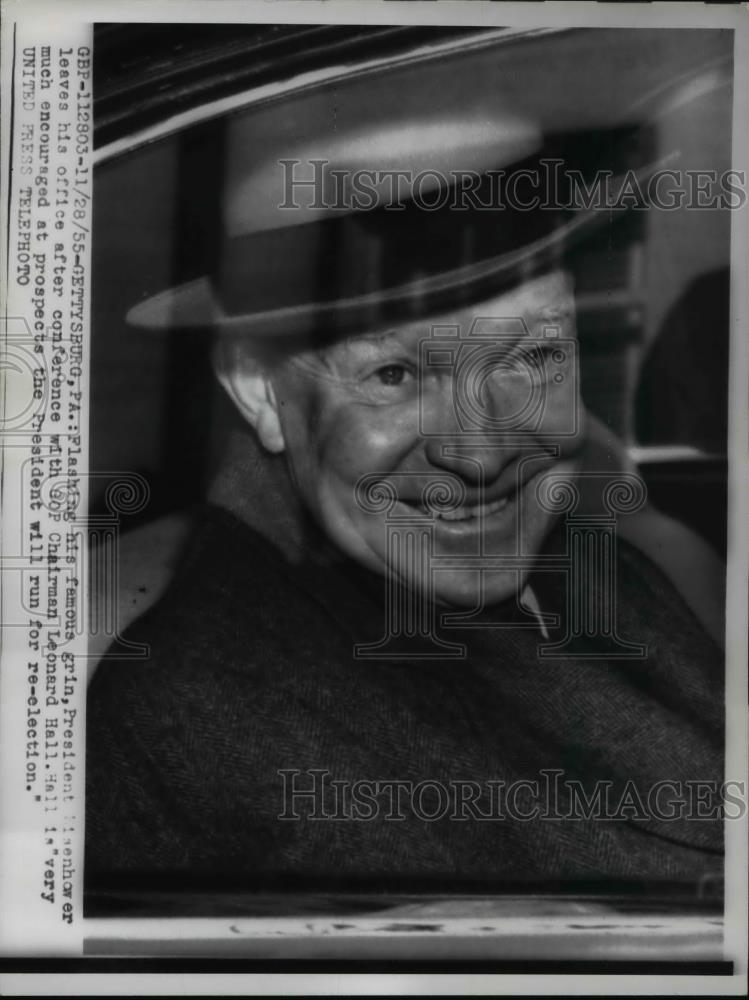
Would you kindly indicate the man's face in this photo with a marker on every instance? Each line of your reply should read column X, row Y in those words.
column 486, row 410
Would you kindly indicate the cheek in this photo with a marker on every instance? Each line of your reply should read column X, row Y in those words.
column 360, row 441
column 563, row 420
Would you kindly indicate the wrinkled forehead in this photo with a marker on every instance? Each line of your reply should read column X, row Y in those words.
column 542, row 300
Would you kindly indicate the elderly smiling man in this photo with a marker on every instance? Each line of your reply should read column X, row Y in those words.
column 272, row 731
column 361, row 408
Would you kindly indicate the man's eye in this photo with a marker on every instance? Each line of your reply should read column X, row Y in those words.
column 392, row 374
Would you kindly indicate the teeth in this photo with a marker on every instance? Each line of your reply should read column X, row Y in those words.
column 479, row 510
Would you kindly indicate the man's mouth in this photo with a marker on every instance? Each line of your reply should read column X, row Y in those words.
column 466, row 512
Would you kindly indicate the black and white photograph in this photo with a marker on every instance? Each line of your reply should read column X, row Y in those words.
column 410, row 551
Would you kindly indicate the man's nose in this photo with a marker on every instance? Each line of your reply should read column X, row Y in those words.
column 475, row 442
column 478, row 460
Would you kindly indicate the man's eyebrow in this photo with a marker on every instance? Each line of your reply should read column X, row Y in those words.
column 373, row 338
column 370, row 341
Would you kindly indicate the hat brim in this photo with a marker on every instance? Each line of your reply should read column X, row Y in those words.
column 195, row 306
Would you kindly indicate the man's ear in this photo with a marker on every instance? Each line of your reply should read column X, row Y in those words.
column 249, row 387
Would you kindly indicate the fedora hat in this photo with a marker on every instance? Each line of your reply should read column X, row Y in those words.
column 384, row 195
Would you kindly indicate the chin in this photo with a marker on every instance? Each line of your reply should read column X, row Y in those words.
column 465, row 591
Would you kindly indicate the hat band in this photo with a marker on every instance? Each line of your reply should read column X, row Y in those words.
column 368, row 253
